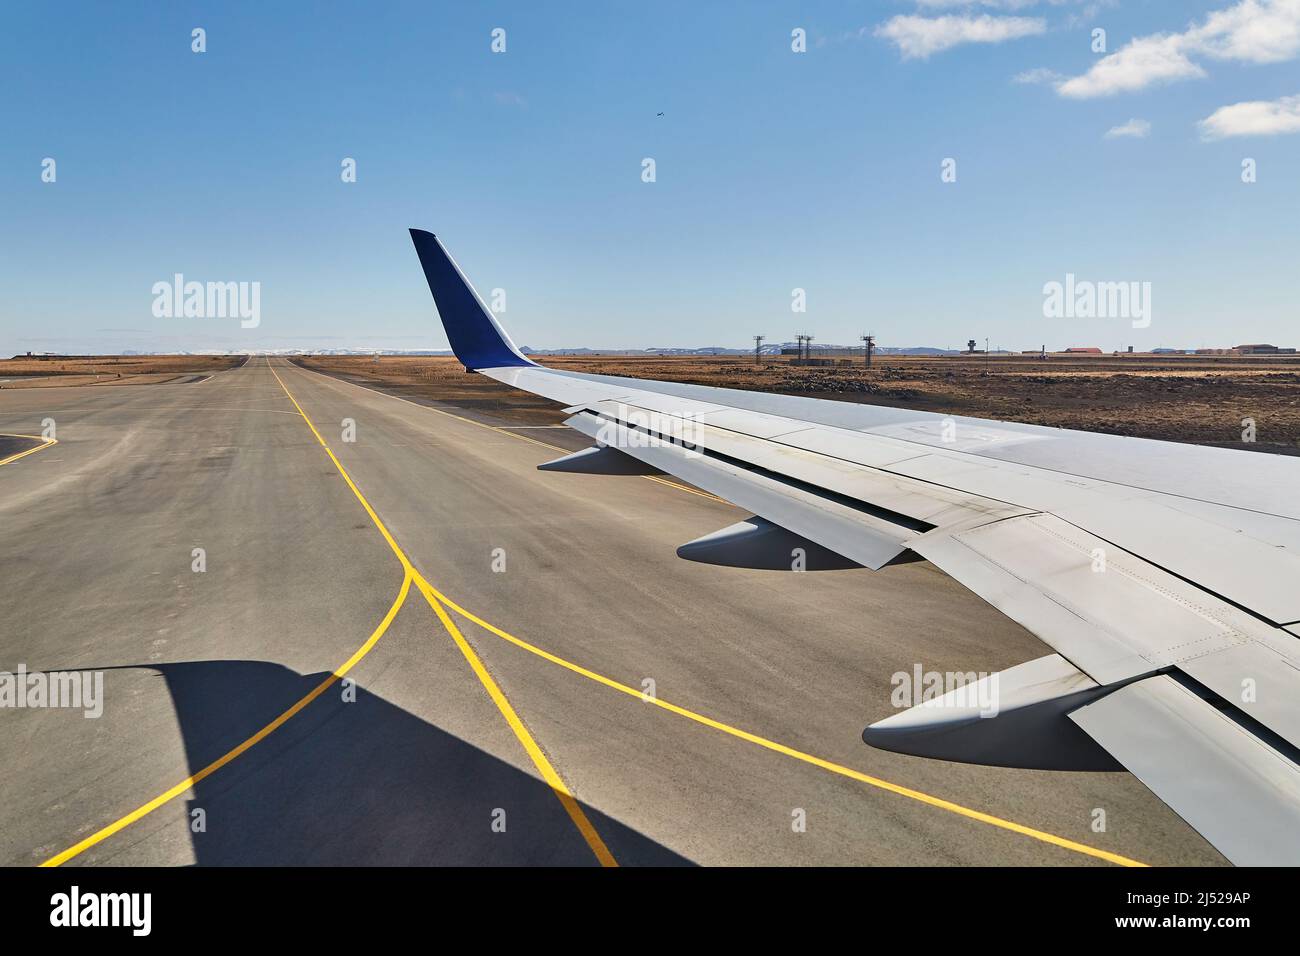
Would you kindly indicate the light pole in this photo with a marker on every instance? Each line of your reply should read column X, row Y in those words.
column 868, row 346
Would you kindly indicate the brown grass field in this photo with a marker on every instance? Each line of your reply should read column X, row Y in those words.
column 37, row 372
column 1178, row 398
column 1200, row 399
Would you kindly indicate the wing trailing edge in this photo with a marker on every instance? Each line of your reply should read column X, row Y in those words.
column 1238, row 788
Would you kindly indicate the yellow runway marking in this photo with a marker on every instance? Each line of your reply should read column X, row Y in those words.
column 790, row 751
column 171, row 794
column 548, row 772
column 535, row 753
column 30, row 451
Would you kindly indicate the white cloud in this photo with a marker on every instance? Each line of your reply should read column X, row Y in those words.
column 1253, row 118
column 1142, row 62
column 1134, row 128
column 919, row 37
column 1252, row 31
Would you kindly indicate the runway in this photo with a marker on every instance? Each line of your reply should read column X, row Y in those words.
column 414, row 648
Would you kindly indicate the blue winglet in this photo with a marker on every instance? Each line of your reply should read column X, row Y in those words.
column 472, row 330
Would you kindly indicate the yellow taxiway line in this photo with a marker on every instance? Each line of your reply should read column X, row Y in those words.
column 31, row 451
column 184, row 786
column 494, row 691
column 548, row 772
column 772, row 745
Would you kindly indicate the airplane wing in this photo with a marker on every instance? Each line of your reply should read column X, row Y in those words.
column 1163, row 576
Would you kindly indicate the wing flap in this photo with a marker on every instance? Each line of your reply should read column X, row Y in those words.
column 1238, row 792
column 1109, row 612
column 1218, row 554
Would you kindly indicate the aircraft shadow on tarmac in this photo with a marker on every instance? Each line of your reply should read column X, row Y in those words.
column 362, row 783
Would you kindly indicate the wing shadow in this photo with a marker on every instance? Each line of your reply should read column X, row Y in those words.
column 362, row 783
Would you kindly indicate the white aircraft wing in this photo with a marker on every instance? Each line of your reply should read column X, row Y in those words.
column 1165, row 577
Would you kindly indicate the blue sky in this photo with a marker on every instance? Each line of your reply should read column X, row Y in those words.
column 775, row 170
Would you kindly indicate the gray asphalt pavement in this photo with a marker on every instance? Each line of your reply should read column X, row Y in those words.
column 225, row 737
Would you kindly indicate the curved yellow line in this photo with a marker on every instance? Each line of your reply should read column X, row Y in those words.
column 540, row 760
column 172, row 793
column 31, row 451
column 535, row 752
column 772, row 745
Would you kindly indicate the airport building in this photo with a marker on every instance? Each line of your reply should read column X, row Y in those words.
column 1260, row 349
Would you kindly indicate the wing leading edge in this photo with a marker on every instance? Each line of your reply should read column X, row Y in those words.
column 1156, row 572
